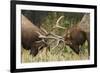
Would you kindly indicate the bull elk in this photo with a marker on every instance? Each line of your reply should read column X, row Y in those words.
column 32, row 36
column 76, row 35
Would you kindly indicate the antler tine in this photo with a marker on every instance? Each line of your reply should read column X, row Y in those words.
column 60, row 37
column 40, row 35
column 44, row 30
column 59, row 19
column 57, row 23
column 58, row 41
column 46, row 37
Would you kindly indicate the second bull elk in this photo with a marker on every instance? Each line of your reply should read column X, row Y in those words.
column 75, row 38
column 76, row 35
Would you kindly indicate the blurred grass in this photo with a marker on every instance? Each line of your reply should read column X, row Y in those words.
column 57, row 54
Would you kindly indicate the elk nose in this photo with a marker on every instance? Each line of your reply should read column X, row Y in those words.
column 33, row 51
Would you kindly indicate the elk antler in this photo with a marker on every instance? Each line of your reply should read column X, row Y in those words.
column 45, row 37
column 43, row 30
column 58, row 38
column 57, row 23
column 53, row 36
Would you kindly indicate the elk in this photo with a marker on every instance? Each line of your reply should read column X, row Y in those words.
column 32, row 36
column 75, row 38
column 76, row 35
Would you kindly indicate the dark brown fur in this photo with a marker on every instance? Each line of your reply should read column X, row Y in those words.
column 75, row 37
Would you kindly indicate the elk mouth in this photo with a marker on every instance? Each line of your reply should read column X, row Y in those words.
column 74, row 47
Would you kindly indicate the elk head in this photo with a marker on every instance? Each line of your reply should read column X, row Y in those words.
column 74, row 36
column 32, row 37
